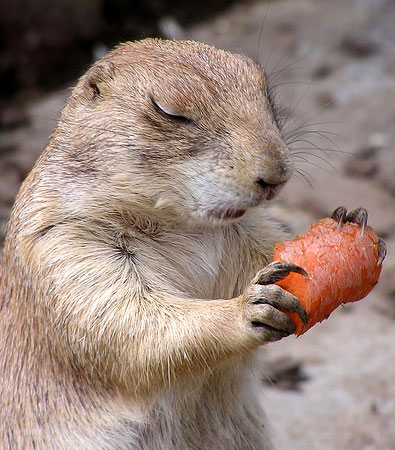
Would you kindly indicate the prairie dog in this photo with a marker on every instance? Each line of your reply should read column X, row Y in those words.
column 135, row 280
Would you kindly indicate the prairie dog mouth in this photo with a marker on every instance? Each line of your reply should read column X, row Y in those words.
column 230, row 208
column 234, row 212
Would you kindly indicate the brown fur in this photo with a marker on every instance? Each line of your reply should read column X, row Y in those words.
column 126, row 304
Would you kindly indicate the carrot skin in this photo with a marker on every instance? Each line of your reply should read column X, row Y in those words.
column 341, row 264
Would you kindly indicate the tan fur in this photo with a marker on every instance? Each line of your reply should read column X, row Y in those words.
column 126, row 307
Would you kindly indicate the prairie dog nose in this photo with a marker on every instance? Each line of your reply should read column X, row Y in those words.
column 274, row 172
column 273, row 165
column 271, row 180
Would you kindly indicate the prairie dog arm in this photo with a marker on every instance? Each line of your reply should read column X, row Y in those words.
column 117, row 329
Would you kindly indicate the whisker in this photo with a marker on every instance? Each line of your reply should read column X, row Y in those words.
column 305, row 176
column 296, row 133
column 291, row 83
column 312, row 146
column 284, row 69
column 311, row 163
column 313, row 114
column 260, row 33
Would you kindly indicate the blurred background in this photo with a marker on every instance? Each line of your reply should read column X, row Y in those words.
column 332, row 65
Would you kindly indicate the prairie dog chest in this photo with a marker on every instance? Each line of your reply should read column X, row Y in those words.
column 183, row 264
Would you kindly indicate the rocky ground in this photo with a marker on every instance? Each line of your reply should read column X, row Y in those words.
column 333, row 62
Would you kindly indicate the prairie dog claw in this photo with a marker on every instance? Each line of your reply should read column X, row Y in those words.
column 382, row 251
column 276, row 271
column 358, row 216
column 283, row 300
column 339, row 214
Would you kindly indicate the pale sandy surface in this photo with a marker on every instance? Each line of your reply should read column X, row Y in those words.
column 339, row 60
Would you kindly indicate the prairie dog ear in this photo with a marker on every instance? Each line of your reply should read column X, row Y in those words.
column 96, row 82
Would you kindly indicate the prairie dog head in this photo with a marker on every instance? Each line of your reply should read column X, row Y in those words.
column 174, row 131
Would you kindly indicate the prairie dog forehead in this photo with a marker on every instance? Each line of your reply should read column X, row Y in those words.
column 177, row 70
column 222, row 69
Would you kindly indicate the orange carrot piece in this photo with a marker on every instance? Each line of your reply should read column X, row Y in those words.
column 341, row 264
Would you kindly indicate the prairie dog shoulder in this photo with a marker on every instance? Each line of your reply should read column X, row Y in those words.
column 129, row 251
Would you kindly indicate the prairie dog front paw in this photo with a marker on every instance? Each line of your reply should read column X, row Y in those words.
column 264, row 304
